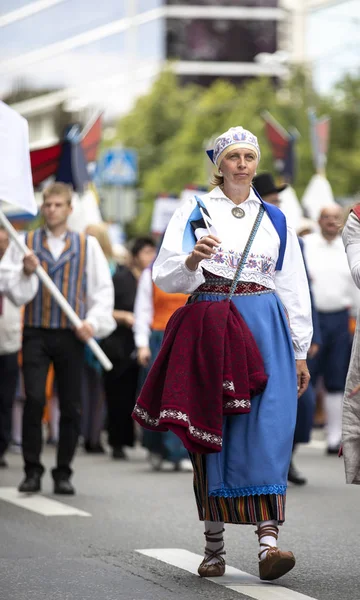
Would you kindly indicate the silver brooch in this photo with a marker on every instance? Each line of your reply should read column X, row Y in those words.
column 238, row 212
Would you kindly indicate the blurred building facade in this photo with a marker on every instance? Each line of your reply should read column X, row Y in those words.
column 108, row 57
column 221, row 38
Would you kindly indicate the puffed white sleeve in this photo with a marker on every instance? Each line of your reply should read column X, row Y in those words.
column 293, row 290
column 169, row 271
column 143, row 310
column 14, row 283
column 100, row 290
column 351, row 240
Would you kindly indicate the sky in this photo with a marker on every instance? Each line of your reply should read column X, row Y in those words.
column 100, row 70
column 333, row 41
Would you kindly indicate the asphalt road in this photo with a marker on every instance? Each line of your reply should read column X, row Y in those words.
column 131, row 508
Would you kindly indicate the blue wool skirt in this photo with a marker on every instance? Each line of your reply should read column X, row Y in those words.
column 257, row 446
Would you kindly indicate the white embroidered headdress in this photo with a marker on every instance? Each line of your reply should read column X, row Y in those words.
column 235, row 137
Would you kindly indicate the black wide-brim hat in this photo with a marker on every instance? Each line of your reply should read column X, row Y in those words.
column 265, row 184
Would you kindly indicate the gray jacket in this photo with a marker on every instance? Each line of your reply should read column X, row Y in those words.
column 351, row 405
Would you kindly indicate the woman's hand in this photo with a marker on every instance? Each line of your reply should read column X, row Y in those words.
column 144, row 356
column 303, row 376
column 204, row 248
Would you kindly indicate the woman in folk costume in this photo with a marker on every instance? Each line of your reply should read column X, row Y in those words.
column 250, row 256
column 351, row 404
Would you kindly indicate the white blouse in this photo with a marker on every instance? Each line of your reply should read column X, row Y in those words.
column 171, row 274
column 143, row 310
column 332, row 285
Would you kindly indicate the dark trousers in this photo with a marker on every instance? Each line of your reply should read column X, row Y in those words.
column 92, row 416
column 8, row 380
column 66, row 352
column 120, row 392
column 305, row 416
column 332, row 360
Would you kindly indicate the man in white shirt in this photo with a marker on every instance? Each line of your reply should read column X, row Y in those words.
column 10, row 334
column 78, row 267
column 334, row 293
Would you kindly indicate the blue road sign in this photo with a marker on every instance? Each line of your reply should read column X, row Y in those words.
column 118, row 166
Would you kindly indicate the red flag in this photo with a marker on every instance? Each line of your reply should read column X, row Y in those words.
column 277, row 136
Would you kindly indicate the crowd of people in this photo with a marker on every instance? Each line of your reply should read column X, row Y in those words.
column 179, row 369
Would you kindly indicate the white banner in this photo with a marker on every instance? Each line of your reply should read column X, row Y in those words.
column 15, row 170
column 317, row 195
column 164, row 208
column 85, row 211
column 291, row 207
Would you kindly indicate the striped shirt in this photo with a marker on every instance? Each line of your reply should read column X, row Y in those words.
column 68, row 272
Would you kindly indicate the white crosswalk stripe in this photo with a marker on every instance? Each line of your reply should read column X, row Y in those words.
column 234, row 579
column 40, row 504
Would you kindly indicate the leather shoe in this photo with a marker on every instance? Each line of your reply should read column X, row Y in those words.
column 94, row 448
column 63, row 486
column 276, row 564
column 213, row 570
column 295, row 477
column 3, row 463
column 119, row 454
column 31, row 484
column 333, row 450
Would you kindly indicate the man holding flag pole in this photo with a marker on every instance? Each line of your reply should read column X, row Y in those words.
column 56, row 323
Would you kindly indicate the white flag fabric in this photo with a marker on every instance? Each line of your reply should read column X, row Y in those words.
column 85, row 211
column 164, row 208
column 317, row 195
column 15, row 171
column 291, row 207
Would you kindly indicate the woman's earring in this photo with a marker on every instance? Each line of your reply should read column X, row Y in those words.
column 220, row 172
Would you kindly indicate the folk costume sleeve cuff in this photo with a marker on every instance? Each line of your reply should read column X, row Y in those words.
column 174, row 276
column 300, row 355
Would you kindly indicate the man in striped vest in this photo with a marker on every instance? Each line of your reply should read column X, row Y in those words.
column 79, row 269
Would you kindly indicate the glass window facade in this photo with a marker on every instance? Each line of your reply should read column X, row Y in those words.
column 219, row 40
column 254, row 3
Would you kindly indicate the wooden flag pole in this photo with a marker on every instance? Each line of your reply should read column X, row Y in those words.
column 56, row 294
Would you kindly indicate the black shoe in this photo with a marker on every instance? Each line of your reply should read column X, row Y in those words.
column 63, row 486
column 31, row 484
column 295, row 477
column 94, row 448
column 3, row 463
column 333, row 450
column 51, row 441
column 119, row 454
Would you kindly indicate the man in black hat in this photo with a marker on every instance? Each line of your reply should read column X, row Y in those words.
column 269, row 191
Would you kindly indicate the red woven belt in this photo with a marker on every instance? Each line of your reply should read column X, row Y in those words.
column 219, row 285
